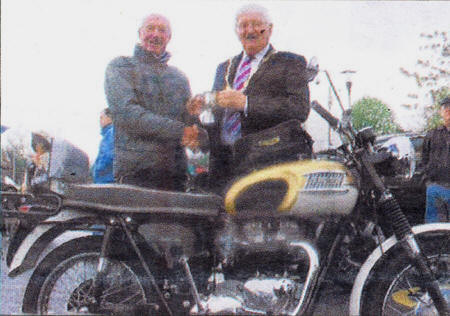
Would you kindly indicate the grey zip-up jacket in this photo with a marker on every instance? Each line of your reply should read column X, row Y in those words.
column 147, row 98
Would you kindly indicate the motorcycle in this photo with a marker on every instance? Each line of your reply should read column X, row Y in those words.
column 263, row 248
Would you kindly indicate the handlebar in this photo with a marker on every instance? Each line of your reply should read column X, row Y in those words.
column 325, row 114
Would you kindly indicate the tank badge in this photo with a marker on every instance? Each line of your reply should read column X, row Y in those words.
column 269, row 142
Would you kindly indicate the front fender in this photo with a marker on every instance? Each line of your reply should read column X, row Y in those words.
column 62, row 226
column 375, row 256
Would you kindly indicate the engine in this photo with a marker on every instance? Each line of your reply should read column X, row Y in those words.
column 259, row 235
column 268, row 248
column 266, row 266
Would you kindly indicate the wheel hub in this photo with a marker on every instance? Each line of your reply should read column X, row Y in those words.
column 81, row 298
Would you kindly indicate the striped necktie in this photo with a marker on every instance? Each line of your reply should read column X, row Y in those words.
column 231, row 130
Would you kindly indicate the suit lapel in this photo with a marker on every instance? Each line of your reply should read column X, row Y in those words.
column 233, row 69
column 262, row 66
column 228, row 81
column 258, row 74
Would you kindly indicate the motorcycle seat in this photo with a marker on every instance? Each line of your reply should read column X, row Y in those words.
column 122, row 198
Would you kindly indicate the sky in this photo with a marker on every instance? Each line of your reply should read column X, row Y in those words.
column 54, row 53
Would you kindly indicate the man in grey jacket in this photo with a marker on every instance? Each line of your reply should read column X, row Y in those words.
column 147, row 99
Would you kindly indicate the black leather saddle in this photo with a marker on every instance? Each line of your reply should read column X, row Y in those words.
column 124, row 198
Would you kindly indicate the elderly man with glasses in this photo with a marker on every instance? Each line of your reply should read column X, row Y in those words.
column 255, row 90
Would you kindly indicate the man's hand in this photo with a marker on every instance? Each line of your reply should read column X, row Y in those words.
column 195, row 104
column 231, row 99
column 190, row 137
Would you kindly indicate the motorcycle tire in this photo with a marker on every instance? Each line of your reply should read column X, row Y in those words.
column 60, row 284
column 393, row 288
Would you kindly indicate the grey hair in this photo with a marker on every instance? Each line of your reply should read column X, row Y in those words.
column 253, row 8
column 157, row 15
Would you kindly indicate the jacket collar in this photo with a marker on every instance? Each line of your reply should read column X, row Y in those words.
column 105, row 129
column 237, row 59
column 148, row 57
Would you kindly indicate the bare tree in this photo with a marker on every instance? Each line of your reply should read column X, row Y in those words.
column 431, row 72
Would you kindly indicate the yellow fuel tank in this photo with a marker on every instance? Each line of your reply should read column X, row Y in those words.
column 300, row 188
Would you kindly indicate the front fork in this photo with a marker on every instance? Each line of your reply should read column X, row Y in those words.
column 403, row 232
column 390, row 209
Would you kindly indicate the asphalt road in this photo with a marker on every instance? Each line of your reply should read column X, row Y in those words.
column 12, row 289
column 333, row 300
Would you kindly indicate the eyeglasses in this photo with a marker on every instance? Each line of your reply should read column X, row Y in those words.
column 256, row 25
column 151, row 28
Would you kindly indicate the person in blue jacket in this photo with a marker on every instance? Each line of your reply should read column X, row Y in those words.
column 436, row 158
column 103, row 166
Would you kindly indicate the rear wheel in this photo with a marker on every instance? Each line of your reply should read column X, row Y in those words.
column 395, row 288
column 63, row 282
column 68, row 288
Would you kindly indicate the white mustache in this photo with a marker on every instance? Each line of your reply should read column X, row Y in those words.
column 251, row 37
column 154, row 41
column 255, row 36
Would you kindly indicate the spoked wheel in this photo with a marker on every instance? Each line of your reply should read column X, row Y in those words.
column 68, row 288
column 405, row 296
column 395, row 288
column 63, row 282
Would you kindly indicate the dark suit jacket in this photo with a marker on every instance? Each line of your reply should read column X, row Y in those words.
column 278, row 91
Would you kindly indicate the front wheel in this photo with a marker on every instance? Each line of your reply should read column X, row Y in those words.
column 394, row 287
column 63, row 282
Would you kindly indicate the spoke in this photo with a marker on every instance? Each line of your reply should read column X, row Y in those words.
column 408, row 284
column 70, row 291
column 84, row 269
column 63, row 281
column 65, row 296
column 397, row 311
column 409, row 279
column 113, row 290
column 71, row 306
column 129, row 298
column 394, row 309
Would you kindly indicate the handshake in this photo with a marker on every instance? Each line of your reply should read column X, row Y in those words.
column 201, row 105
column 201, row 102
column 195, row 106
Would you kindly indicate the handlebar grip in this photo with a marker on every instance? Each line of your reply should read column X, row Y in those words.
column 326, row 115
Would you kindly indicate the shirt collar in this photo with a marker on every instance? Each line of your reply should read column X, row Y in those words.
column 259, row 56
column 149, row 57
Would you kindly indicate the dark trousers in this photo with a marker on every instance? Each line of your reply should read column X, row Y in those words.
column 167, row 180
column 170, row 177
column 222, row 169
column 438, row 200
